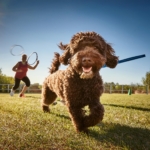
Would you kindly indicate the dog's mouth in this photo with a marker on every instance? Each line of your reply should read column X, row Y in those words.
column 86, row 69
column 87, row 73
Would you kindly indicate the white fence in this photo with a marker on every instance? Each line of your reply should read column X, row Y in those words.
column 5, row 88
column 110, row 89
column 126, row 88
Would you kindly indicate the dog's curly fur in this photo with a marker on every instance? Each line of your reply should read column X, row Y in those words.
column 80, row 84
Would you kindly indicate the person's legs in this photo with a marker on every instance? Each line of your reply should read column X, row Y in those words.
column 17, row 83
column 27, row 84
column 24, row 90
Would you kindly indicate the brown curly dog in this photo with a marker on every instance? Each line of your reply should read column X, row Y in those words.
column 80, row 85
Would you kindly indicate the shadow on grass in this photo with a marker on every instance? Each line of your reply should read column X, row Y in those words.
column 129, row 107
column 123, row 136
column 60, row 115
column 32, row 97
column 118, row 135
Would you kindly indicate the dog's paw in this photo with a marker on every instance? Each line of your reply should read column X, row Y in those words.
column 46, row 109
column 86, row 131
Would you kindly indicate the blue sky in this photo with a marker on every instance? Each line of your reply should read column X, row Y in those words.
column 40, row 25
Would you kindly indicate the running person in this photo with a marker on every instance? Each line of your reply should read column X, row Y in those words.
column 21, row 69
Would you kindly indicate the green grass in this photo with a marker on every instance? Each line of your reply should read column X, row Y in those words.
column 23, row 125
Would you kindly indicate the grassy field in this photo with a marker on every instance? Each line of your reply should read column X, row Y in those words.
column 23, row 125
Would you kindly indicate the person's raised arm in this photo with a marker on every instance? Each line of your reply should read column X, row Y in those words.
column 33, row 67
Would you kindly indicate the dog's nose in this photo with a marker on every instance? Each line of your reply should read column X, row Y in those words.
column 86, row 60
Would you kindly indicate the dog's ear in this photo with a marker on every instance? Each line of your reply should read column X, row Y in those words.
column 55, row 63
column 62, row 46
column 65, row 57
column 111, row 59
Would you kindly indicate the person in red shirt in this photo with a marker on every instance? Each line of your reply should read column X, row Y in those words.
column 21, row 69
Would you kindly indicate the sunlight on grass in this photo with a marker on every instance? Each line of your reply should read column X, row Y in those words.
column 23, row 125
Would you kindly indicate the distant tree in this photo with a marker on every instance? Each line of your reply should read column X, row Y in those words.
column 37, row 84
column 118, row 87
column 113, row 85
column 5, row 79
column 146, row 79
column 0, row 71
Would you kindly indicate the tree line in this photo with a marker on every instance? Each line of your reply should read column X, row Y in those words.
column 5, row 79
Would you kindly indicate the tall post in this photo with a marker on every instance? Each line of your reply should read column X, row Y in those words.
column 147, row 89
column 110, row 88
column 8, row 88
column 122, row 89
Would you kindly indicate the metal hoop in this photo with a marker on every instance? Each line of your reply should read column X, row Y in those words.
column 11, row 50
column 31, row 55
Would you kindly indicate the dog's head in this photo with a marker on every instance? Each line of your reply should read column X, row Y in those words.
column 97, row 44
column 87, row 62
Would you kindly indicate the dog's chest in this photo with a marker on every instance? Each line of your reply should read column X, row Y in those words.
column 83, row 86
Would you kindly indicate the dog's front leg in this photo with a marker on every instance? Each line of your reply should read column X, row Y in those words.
column 77, row 116
column 95, row 116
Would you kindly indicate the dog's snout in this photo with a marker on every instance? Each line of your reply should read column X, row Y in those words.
column 86, row 60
